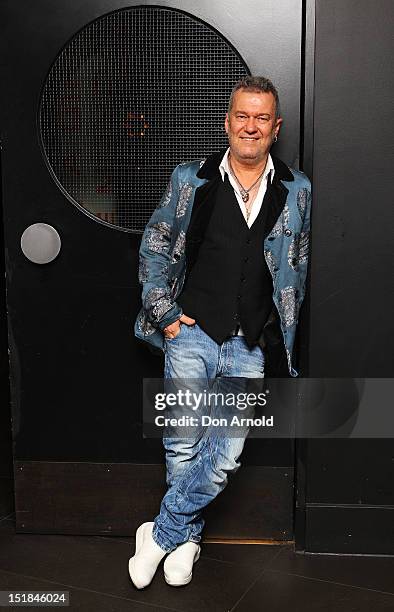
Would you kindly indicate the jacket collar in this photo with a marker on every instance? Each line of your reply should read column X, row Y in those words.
column 210, row 168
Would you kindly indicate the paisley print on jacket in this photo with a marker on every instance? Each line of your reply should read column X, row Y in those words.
column 281, row 223
column 269, row 258
column 143, row 324
column 143, row 270
column 288, row 306
column 298, row 250
column 157, row 303
column 166, row 199
column 179, row 247
column 183, row 201
column 302, row 198
column 158, row 237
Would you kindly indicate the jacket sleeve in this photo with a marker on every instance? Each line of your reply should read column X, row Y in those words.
column 154, row 259
column 304, row 201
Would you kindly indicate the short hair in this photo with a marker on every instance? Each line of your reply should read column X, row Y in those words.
column 256, row 84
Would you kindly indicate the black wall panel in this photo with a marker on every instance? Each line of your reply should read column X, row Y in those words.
column 347, row 485
column 6, row 460
column 352, row 294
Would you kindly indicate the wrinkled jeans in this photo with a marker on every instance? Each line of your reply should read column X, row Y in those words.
column 197, row 466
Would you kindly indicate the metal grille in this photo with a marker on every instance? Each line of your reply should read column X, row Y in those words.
column 132, row 95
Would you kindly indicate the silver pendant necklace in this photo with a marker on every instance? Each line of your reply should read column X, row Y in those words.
column 244, row 192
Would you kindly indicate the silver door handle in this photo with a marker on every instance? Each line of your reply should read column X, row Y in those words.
column 40, row 243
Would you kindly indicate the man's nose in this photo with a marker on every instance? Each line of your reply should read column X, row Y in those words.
column 250, row 126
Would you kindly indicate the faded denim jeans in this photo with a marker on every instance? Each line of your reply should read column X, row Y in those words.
column 197, row 466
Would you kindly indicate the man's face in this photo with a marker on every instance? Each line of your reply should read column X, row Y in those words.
column 251, row 126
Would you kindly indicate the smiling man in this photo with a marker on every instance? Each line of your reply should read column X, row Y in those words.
column 223, row 262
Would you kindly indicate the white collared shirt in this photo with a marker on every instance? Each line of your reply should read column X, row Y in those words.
column 257, row 202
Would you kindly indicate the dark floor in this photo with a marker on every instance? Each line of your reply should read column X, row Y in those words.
column 227, row 577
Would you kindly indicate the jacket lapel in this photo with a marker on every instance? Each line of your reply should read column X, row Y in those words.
column 201, row 211
column 202, row 207
column 276, row 194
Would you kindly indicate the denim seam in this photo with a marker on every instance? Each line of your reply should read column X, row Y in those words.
column 180, row 490
column 162, row 542
column 212, row 452
column 193, row 534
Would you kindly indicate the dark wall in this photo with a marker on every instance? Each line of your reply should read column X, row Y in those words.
column 352, row 293
column 6, row 461
column 349, row 500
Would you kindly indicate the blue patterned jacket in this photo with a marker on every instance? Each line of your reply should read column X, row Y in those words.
column 166, row 250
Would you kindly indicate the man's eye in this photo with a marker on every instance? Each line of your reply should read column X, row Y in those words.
column 241, row 116
column 263, row 119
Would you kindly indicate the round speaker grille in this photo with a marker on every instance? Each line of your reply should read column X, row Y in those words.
column 130, row 96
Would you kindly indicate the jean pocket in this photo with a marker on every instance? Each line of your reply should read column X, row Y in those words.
column 176, row 337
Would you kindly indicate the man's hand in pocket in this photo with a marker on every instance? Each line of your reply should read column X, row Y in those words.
column 171, row 331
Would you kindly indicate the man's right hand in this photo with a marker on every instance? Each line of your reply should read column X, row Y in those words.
column 171, row 331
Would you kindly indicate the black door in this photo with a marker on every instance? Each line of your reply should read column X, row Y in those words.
column 99, row 104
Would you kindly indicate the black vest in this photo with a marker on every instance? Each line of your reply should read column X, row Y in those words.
column 229, row 283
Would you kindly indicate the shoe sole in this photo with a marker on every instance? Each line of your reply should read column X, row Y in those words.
column 188, row 578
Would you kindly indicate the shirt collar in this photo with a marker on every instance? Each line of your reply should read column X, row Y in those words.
column 223, row 167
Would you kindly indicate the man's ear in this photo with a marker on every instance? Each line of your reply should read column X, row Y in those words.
column 278, row 123
column 226, row 123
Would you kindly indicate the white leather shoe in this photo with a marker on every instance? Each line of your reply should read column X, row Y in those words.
column 178, row 567
column 148, row 554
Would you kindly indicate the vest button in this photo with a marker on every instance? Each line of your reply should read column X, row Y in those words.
column 288, row 232
column 246, row 259
column 248, row 241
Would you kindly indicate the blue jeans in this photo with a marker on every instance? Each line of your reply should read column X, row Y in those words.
column 197, row 466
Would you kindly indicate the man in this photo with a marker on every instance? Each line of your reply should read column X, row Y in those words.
column 223, row 263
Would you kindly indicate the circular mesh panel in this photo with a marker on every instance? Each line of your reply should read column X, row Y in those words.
column 132, row 95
